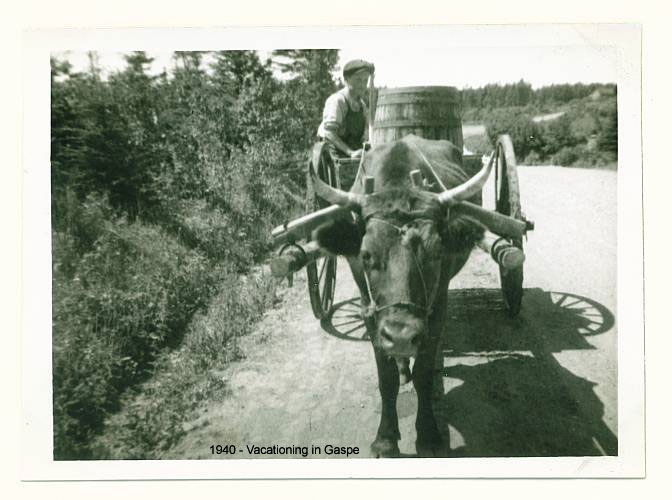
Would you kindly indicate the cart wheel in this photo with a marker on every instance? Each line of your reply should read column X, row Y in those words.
column 507, row 202
column 345, row 321
column 322, row 271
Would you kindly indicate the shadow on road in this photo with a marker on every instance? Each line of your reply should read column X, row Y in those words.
column 549, row 321
column 510, row 396
column 506, row 394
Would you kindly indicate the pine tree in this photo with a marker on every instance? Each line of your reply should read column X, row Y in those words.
column 232, row 68
column 312, row 81
column 313, row 68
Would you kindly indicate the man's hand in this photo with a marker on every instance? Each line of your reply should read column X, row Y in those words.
column 356, row 154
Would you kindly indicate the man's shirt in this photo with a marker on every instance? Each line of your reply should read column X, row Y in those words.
column 335, row 108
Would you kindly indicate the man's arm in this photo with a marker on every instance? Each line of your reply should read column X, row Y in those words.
column 334, row 139
column 332, row 118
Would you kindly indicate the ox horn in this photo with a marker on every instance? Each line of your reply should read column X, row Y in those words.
column 467, row 189
column 351, row 201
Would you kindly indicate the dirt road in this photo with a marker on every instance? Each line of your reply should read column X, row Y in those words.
column 541, row 384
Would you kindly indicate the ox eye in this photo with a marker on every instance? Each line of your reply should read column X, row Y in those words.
column 368, row 260
column 366, row 257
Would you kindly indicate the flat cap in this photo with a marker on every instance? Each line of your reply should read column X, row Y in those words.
column 355, row 65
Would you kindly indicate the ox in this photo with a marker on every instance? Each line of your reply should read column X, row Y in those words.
column 404, row 247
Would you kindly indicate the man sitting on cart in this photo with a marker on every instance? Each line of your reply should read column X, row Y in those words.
column 345, row 121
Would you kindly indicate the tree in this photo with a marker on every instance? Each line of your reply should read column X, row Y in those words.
column 608, row 138
column 312, row 81
column 137, row 101
column 525, row 134
column 232, row 68
column 557, row 134
column 137, row 63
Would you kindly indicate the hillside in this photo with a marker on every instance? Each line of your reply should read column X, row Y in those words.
column 581, row 132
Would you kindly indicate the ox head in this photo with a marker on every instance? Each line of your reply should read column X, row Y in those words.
column 402, row 238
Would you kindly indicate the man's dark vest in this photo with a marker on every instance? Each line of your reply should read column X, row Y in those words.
column 354, row 125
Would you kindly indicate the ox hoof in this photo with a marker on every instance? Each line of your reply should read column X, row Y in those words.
column 430, row 450
column 385, row 448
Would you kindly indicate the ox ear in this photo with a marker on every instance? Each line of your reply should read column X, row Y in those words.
column 341, row 237
column 460, row 233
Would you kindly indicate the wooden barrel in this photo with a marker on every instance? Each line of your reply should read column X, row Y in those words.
column 429, row 112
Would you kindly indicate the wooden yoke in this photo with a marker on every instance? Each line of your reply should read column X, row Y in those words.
column 496, row 222
column 294, row 257
column 300, row 228
column 504, row 253
column 501, row 250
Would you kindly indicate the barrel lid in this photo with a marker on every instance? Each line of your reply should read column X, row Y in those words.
column 436, row 89
column 410, row 95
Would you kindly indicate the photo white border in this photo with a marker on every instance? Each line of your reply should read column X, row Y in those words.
column 37, row 463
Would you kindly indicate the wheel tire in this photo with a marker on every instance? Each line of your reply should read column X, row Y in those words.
column 507, row 202
column 321, row 272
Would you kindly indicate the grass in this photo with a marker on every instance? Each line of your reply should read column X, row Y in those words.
column 128, row 302
column 153, row 414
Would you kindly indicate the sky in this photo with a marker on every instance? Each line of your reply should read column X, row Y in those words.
column 463, row 67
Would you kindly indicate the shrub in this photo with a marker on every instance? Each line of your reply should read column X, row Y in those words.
column 557, row 136
column 567, row 156
column 593, row 158
column 478, row 144
column 83, row 220
column 525, row 134
column 533, row 158
column 131, row 296
column 153, row 418
column 219, row 234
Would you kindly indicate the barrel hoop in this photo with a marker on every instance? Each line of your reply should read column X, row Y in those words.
column 415, row 99
column 437, row 89
column 422, row 123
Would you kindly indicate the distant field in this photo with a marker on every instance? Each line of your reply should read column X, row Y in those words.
column 472, row 130
column 475, row 129
column 549, row 116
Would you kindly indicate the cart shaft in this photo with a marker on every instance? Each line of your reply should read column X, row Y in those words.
column 301, row 228
column 295, row 257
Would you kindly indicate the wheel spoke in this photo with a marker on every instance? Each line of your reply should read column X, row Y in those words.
column 325, row 260
column 349, row 307
column 362, row 325
column 356, row 320
column 346, row 316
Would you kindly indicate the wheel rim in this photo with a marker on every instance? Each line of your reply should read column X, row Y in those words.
column 507, row 202
column 345, row 321
column 322, row 283
column 322, row 271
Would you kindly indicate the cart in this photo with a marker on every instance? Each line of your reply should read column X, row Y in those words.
column 296, row 250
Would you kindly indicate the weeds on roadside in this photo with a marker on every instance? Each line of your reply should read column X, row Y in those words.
column 153, row 417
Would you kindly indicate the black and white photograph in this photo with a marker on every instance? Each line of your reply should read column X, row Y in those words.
column 300, row 250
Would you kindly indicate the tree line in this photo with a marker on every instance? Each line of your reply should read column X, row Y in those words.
column 584, row 133
column 476, row 101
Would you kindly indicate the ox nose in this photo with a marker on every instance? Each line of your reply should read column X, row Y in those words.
column 401, row 339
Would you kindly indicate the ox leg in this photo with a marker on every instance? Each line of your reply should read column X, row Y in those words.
column 429, row 442
column 388, row 434
column 358, row 275
column 385, row 444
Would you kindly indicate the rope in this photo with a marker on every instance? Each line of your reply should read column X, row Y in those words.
column 438, row 181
